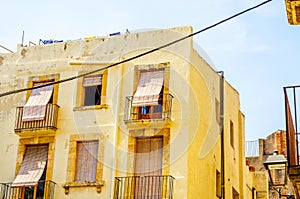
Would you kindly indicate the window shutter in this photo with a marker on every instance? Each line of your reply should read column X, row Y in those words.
column 35, row 107
column 86, row 161
column 33, row 165
column 149, row 87
column 92, row 81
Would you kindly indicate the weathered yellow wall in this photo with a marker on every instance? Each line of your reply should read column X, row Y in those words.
column 192, row 153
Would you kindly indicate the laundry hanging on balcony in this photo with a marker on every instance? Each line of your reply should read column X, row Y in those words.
column 33, row 166
column 149, row 87
column 35, row 107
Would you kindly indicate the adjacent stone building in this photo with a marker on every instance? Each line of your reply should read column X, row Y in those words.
column 261, row 149
column 103, row 118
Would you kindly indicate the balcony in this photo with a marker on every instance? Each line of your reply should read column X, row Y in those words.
column 43, row 190
column 162, row 111
column 293, row 11
column 293, row 135
column 48, row 123
column 138, row 187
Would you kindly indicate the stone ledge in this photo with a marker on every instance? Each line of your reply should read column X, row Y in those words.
column 84, row 108
column 98, row 184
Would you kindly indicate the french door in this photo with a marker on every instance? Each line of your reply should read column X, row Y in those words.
column 148, row 167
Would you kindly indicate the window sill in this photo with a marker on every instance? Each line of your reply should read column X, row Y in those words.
column 84, row 108
column 98, row 184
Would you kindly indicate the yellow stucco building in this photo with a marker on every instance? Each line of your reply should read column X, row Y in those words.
column 147, row 126
column 293, row 11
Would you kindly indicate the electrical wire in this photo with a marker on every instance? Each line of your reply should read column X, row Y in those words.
column 137, row 56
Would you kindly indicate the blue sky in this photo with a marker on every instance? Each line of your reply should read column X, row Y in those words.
column 259, row 51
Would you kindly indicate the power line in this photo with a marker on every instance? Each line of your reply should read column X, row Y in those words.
column 137, row 56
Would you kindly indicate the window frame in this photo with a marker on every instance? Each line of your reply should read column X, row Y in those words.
column 85, row 88
column 44, row 79
column 83, row 142
column 80, row 96
column 71, row 168
column 49, row 140
column 218, row 184
column 235, row 194
column 138, row 69
column 231, row 133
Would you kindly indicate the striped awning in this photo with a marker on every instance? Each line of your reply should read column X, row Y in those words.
column 149, row 87
column 92, row 81
column 35, row 107
column 33, row 165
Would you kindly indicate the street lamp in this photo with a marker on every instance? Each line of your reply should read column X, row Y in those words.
column 276, row 166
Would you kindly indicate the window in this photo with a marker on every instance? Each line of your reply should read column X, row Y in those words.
column 148, row 97
column 35, row 107
column 231, row 134
column 33, row 166
column 235, row 194
column 32, row 173
column 218, row 184
column 148, row 162
column 149, row 88
column 92, row 86
column 86, row 161
column 148, row 112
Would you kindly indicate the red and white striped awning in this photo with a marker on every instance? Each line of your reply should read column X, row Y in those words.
column 35, row 107
column 33, row 165
column 149, row 87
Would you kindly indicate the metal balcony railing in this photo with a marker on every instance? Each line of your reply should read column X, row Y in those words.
column 160, row 111
column 49, row 122
column 291, row 119
column 43, row 190
column 144, row 187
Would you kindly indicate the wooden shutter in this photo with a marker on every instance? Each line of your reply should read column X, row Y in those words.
column 148, row 165
column 149, row 87
column 35, row 107
column 33, row 166
column 86, row 161
column 148, row 159
column 92, row 81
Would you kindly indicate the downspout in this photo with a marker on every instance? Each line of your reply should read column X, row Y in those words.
column 222, row 134
column 254, row 193
column 287, row 125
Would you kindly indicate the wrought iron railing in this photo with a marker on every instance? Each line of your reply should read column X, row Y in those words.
column 160, row 111
column 144, row 187
column 43, row 190
column 49, row 122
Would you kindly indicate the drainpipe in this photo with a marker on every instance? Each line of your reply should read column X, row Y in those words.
column 222, row 133
column 253, row 193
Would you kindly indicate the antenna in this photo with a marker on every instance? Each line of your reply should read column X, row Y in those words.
column 23, row 37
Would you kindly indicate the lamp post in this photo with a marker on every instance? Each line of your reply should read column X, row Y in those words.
column 276, row 166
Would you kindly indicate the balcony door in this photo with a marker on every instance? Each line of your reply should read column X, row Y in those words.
column 30, row 181
column 152, row 112
column 148, row 167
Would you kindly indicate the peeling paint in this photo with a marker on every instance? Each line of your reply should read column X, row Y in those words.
column 1, row 60
column 66, row 143
column 23, row 52
column 8, row 147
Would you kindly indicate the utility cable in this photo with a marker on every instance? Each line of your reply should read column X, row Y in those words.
column 137, row 56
